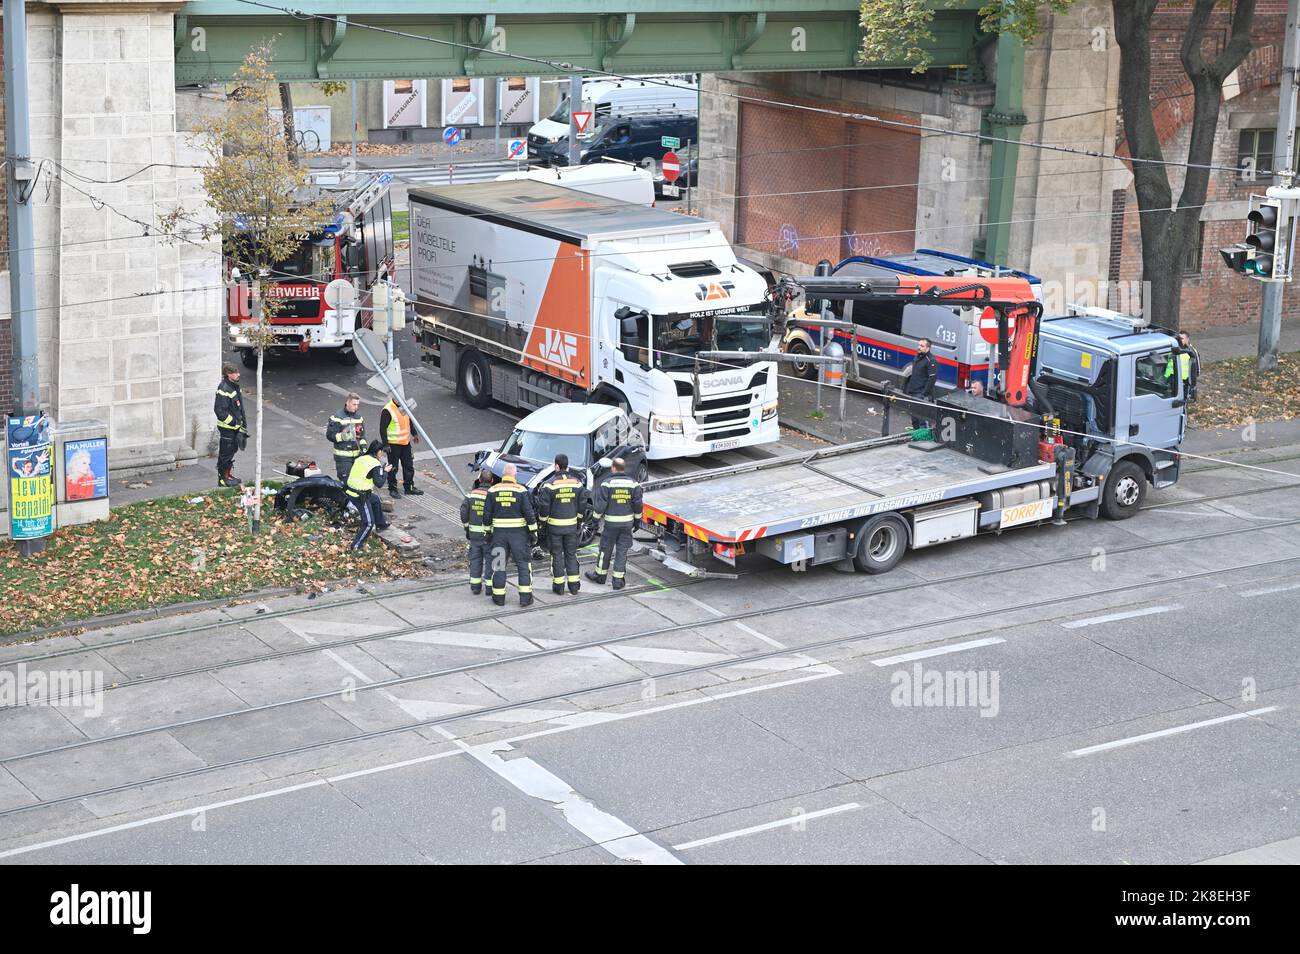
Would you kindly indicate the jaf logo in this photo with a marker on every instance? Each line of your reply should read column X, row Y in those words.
column 714, row 291
column 559, row 347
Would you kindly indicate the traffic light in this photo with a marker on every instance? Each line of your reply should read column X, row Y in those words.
column 1264, row 219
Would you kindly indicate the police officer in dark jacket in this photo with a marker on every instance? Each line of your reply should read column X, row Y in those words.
column 231, row 425
column 512, row 521
column 369, row 470
column 559, row 508
column 347, row 433
column 920, row 380
column 476, row 531
column 618, row 502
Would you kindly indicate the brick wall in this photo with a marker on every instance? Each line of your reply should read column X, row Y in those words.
column 1214, row 295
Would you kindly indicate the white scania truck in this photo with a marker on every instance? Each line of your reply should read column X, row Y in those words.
column 528, row 293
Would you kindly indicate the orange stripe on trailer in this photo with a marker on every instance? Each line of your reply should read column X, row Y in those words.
column 655, row 514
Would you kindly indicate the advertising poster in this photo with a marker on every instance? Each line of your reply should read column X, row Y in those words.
column 404, row 103
column 462, row 102
column 31, row 478
column 85, row 469
column 518, row 99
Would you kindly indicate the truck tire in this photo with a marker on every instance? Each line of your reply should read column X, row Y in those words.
column 475, row 379
column 347, row 357
column 802, row 369
column 1123, row 491
column 881, row 544
column 248, row 358
column 615, row 399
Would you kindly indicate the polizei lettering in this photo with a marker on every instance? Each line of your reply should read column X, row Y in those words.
column 75, row 907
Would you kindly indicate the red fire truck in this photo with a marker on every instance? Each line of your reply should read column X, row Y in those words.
column 356, row 244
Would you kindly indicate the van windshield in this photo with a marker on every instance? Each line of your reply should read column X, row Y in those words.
column 561, row 114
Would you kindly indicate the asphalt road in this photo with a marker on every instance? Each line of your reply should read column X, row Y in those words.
column 1107, row 692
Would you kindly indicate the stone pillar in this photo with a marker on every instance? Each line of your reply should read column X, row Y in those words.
column 130, row 322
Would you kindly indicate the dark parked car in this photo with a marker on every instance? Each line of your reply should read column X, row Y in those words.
column 632, row 137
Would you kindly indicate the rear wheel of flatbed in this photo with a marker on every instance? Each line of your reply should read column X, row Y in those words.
column 1123, row 491
column 881, row 544
column 475, row 379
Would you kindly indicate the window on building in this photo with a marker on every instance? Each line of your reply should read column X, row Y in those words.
column 1255, row 154
column 1192, row 257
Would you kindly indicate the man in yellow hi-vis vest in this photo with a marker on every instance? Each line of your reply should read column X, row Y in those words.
column 395, row 428
column 367, row 470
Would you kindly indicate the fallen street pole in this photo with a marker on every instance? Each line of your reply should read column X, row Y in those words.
column 396, row 394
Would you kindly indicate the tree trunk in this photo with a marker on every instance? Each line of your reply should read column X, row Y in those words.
column 1169, row 230
column 290, row 134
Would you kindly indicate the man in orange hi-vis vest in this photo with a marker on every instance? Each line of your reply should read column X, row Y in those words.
column 395, row 426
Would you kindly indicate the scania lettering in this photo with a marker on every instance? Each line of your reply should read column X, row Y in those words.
column 551, row 294
column 355, row 244
column 1080, row 416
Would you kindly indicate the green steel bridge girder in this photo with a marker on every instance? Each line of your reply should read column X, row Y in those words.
column 654, row 36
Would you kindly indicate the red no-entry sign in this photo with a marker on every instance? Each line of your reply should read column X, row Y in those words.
column 672, row 167
column 989, row 326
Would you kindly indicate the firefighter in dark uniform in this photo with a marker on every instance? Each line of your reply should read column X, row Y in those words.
column 512, row 521
column 368, row 470
column 476, row 531
column 231, row 425
column 618, row 502
column 346, row 432
column 559, row 507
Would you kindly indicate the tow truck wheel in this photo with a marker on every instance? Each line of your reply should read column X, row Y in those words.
column 248, row 358
column 803, row 369
column 1124, row 490
column 476, row 379
column 348, row 358
column 881, row 544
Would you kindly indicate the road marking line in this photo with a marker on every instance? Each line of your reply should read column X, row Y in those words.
column 937, row 651
column 534, row 780
column 1114, row 617
column 1133, row 740
column 577, row 723
column 335, row 389
column 460, row 450
column 446, row 637
column 767, row 826
column 1266, row 590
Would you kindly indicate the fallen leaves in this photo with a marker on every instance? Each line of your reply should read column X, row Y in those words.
column 1234, row 392
column 169, row 550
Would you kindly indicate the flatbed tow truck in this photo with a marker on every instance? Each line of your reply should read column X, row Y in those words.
column 1085, row 413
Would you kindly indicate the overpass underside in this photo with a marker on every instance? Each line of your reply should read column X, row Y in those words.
column 400, row 39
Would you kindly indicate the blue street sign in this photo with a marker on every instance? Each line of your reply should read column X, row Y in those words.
column 517, row 149
column 451, row 135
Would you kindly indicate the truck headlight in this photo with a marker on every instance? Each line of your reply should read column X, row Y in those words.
column 769, row 411
column 667, row 425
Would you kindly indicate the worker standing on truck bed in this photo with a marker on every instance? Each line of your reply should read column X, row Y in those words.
column 920, row 380
column 559, row 507
column 512, row 521
column 347, row 433
column 476, row 531
column 395, row 428
column 618, row 502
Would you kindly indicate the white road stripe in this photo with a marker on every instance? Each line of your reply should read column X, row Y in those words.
column 1114, row 617
column 768, row 826
column 937, row 651
column 404, row 763
column 336, row 389
column 1134, row 740
column 460, row 450
column 1266, row 590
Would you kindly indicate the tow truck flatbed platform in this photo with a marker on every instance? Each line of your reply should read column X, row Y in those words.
column 736, row 505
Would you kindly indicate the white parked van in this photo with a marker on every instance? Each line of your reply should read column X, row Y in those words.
column 620, row 181
column 605, row 97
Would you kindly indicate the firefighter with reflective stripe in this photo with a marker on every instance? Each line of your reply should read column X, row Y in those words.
column 512, row 521
column 559, row 508
column 476, row 531
column 368, row 469
column 618, row 503
column 395, row 428
column 347, row 433
column 232, row 428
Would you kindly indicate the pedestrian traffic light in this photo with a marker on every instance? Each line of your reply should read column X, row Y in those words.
column 1265, row 218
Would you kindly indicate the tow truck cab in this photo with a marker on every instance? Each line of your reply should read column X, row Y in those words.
column 1115, row 387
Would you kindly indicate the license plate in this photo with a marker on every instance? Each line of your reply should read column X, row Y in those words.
column 672, row 190
column 724, row 445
